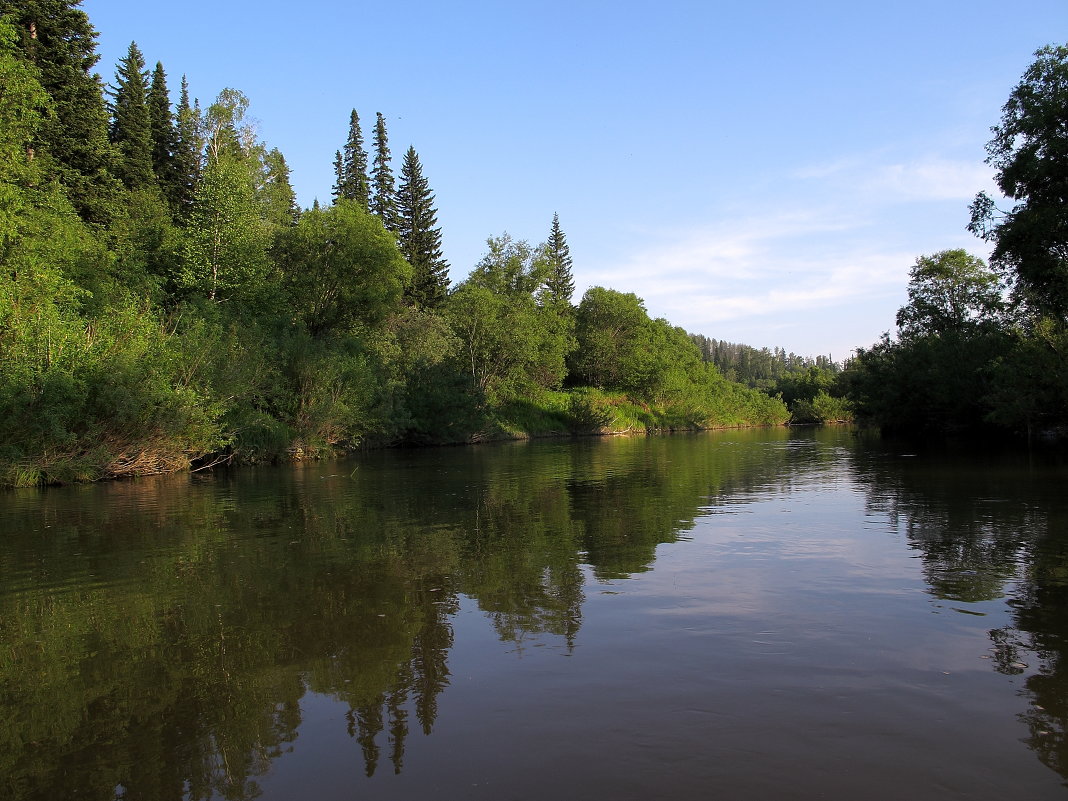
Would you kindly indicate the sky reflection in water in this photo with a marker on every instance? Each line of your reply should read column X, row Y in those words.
column 798, row 614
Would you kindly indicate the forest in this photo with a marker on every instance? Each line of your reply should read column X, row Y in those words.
column 166, row 305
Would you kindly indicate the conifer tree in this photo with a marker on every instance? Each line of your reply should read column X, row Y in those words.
column 419, row 236
column 383, row 200
column 355, row 164
column 131, row 128
column 339, row 177
column 560, row 282
column 164, row 135
column 187, row 153
column 58, row 39
column 350, row 167
column 276, row 192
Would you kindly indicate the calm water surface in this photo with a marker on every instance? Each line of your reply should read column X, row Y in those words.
column 770, row 614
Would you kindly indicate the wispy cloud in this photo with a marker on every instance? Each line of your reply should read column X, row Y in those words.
column 826, row 263
column 931, row 179
column 884, row 180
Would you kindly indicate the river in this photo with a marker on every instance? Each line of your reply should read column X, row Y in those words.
column 782, row 614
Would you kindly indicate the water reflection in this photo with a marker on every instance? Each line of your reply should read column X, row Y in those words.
column 159, row 638
column 991, row 526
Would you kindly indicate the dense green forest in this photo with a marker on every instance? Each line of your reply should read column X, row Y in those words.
column 985, row 347
column 165, row 303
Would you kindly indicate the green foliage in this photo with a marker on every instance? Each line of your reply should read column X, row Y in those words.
column 560, row 282
column 224, row 129
column 225, row 244
column 756, row 367
column 131, row 122
column 164, row 135
column 72, row 142
column 611, row 329
column 419, row 236
column 383, row 201
column 815, row 395
column 951, row 291
column 961, row 361
column 276, row 195
column 332, row 393
column 822, row 408
column 930, row 384
column 188, row 147
column 421, row 396
column 22, row 103
column 341, row 268
column 620, row 348
column 145, row 245
column 937, row 377
column 509, row 343
column 83, row 400
column 587, row 411
column 351, row 167
column 1029, row 381
column 198, row 314
column 1029, row 151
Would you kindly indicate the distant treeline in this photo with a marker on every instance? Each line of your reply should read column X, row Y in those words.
column 759, row 368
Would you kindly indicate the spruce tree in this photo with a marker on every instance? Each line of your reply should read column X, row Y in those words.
column 560, row 282
column 350, row 167
column 187, row 153
column 58, row 39
column 419, row 236
column 355, row 164
column 164, row 135
column 383, row 199
column 339, row 177
column 276, row 192
column 131, row 128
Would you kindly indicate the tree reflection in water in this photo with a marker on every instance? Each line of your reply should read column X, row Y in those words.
column 159, row 636
column 988, row 527
column 160, row 639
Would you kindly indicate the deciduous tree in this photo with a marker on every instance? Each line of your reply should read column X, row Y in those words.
column 1029, row 150
column 951, row 291
column 342, row 268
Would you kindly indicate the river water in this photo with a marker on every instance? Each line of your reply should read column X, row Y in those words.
column 781, row 614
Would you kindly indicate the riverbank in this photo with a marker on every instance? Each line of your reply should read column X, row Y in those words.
column 578, row 412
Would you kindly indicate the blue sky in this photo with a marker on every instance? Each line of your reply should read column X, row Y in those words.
column 760, row 172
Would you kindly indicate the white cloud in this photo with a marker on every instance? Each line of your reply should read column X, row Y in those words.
column 931, row 179
column 825, row 267
column 881, row 179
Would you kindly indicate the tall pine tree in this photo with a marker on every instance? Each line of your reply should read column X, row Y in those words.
column 560, row 282
column 58, row 39
column 164, row 136
column 131, row 128
column 276, row 192
column 419, row 236
column 187, row 153
column 339, row 177
column 383, row 199
column 357, row 187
